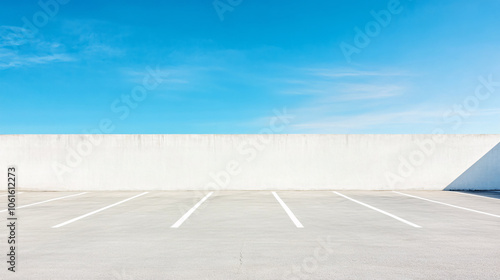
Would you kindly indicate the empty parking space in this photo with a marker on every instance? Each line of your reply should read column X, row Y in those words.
column 430, row 216
column 26, row 198
column 235, row 234
column 325, row 210
column 239, row 209
column 450, row 199
column 379, row 210
column 97, row 211
column 46, row 201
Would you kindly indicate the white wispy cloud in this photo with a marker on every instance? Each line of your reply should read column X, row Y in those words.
column 83, row 40
column 488, row 112
column 369, row 91
column 96, row 48
column 94, row 38
column 305, row 91
column 11, row 36
column 342, row 73
column 368, row 120
column 169, row 75
column 14, row 60
column 334, row 85
column 332, row 92
column 318, row 120
column 18, row 49
column 350, row 100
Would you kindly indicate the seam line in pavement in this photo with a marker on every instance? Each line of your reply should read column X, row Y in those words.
column 379, row 210
column 451, row 205
column 288, row 211
column 191, row 211
column 97, row 211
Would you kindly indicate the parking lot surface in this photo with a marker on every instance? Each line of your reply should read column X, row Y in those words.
column 255, row 235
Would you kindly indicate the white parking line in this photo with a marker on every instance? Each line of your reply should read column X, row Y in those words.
column 451, row 205
column 19, row 207
column 475, row 195
column 191, row 211
column 97, row 211
column 8, row 194
column 288, row 211
column 381, row 211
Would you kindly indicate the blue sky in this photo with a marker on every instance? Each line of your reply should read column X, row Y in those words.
column 226, row 67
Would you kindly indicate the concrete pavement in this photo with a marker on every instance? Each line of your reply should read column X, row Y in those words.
column 249, row 235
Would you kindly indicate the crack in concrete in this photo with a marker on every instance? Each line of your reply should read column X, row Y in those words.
column 241, row 257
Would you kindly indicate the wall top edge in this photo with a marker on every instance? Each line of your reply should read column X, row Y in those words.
column 237, row 134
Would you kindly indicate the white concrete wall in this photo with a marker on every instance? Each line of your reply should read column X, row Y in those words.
column 252, row 162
